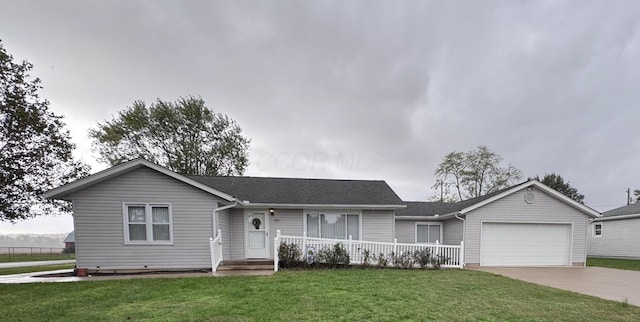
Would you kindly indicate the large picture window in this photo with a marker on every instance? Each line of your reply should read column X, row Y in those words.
column 428, row 233
column 148, row 223
column 333, row 225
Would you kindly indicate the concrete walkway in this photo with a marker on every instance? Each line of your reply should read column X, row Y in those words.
column 606, row 283
column 37, row 263
column 36, row 277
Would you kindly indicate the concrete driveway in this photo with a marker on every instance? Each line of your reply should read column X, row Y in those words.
column 606, row 283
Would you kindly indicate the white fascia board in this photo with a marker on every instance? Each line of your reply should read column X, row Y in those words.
column 427, row 218
column 117, row 170
column 631, row 216
column 586, row 210
column 246, row 204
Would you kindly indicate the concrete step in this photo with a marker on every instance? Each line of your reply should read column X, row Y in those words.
column 248, row 262
column 244, row 267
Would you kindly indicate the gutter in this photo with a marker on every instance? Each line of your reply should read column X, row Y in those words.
column 214, row 216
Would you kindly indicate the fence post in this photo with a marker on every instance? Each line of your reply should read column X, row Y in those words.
column 276, row 245
column 351, row 253
column 438, row 249
column 220, row 243
column 213, row 257
column 461, row 255
column 303, row 248
column 395, row 250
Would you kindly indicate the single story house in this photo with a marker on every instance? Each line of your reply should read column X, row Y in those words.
column 616, row 234
column 141, row 216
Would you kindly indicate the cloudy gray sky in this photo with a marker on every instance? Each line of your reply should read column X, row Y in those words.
column 358, row 89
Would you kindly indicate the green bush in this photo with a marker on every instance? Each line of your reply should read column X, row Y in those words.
column 366, row 257
column 336, row 256
column 289, row 255
column 382, row 260
column 422, row 257
column 404, row 260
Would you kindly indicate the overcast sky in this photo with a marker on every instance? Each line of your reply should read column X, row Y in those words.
column 358, row 89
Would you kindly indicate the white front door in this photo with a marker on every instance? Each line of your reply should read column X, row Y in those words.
column 257, row 234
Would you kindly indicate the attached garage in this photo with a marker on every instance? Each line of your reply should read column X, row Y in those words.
column 525, row 244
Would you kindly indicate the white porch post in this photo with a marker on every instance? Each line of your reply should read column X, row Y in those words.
column 461, row 254
column 304, row 245
column 220, row 243
column 351, row 253
column 395, row 249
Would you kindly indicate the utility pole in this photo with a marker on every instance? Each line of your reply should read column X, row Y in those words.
column 441, row 192
column 628, row 196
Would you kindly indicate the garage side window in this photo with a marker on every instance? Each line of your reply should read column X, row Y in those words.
column 146, row 223
column 597, row 230
column 428, row 233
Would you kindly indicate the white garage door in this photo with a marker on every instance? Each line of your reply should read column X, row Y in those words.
column 515, row 244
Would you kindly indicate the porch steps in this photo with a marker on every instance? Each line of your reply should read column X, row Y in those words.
column 246, row 265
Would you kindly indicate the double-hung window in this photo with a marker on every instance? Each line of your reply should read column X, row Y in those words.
column 147, row 223
column 335, row 225
column 428, row 233
column 597, row 230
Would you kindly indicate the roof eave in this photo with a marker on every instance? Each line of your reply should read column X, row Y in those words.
column 618, row 217
column 247, row 204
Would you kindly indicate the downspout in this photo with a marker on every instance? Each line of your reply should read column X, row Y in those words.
column 214, row 216
column 464, row 234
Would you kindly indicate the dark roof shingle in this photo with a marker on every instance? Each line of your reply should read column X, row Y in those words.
column 304, row 191
column 425, row 208
column 631, row 209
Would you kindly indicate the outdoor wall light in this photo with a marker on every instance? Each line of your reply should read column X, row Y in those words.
column 271, row 211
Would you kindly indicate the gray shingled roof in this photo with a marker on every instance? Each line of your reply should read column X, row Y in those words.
column 631, row 209
column 71, row 238
column 304, row 191
column 422, row 208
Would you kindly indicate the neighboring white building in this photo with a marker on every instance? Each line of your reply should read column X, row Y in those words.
column 616, row 234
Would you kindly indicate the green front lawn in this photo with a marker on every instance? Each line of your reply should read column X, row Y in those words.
column 29, row 269
column 5, row 258
column 353, row 295
column 628, row 264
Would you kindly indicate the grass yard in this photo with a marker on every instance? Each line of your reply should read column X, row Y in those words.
column 6, row 258
column 628, row 264
column 390, row 295
column 29, row 269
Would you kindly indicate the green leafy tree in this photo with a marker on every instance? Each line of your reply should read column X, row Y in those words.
column 184, row 136
column 556, row 182
column 35, row 148
column 464, row 175
column 636, row 195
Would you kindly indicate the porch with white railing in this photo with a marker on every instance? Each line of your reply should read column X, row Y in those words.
column 452, row 255
column 215, row 246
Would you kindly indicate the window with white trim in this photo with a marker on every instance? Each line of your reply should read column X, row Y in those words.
column 597, row 230
column 147, row 223
column 333, row 225
column 428, row 233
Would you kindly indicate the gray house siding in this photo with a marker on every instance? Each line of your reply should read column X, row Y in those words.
column 620, row 239
column 288, row 221
column 98, row 220
column 377, row 225
column 224, row 224
column 512, row 208
column 406, row 231
column 452, row 231
column 236, row 217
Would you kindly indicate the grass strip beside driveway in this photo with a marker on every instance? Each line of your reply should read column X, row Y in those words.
column 390, row 295
column 628, row 264
column 6, row 258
